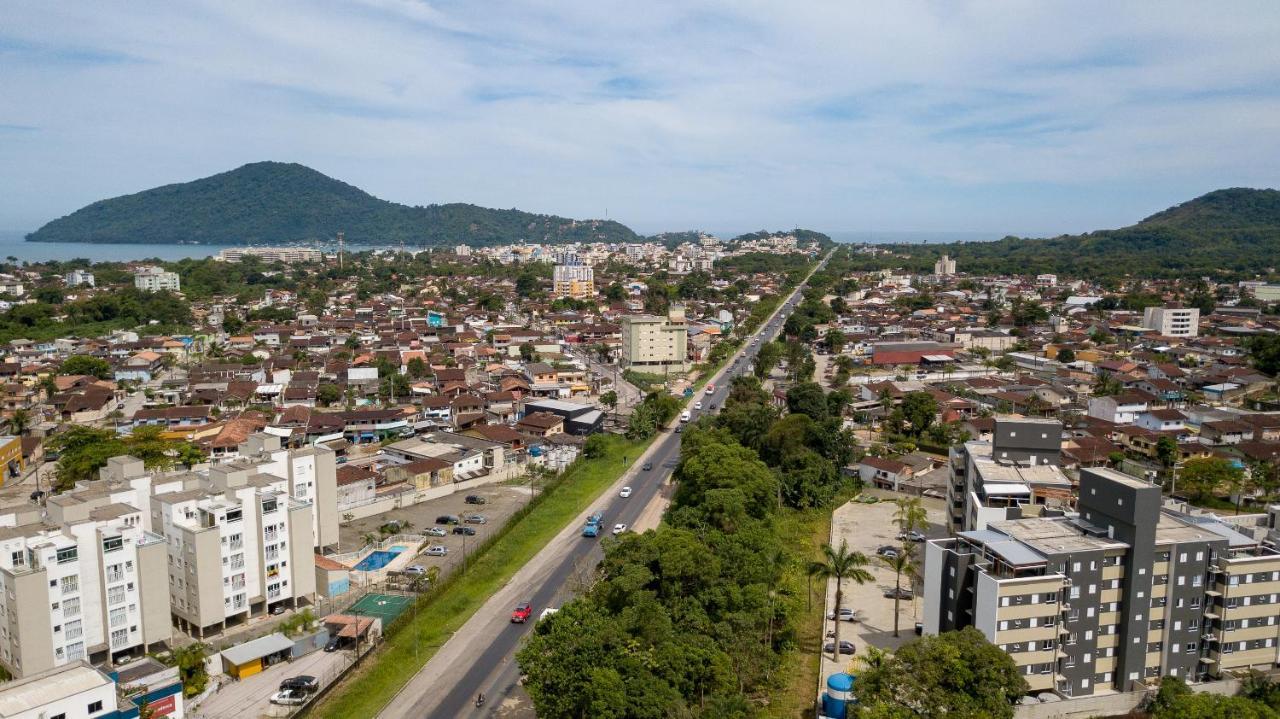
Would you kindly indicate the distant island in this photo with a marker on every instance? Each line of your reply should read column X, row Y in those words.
column 267, row 203
column 1231, row 233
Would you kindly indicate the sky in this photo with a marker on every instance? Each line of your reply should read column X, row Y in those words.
column 1003, row 117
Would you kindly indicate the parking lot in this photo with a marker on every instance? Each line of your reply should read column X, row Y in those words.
column 501, row 501
column 867, row 527
column 250, row 698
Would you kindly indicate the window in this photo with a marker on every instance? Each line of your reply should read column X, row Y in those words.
column 67, row 554
column 119, row 636
column 73, row 630
column 75, row 651
column 119, row 617
column 111, row 544
column 269, row 505
column 234, row 515
column 115, row 572
column 71, row 607
column 70, row 584
column 95, row 706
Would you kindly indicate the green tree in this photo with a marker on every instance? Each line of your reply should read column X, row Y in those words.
column 959, row 675
column 1201, row 477
column 919, row 409
column 610, row 400
column 1167, row 454
column 328, row 394
column 594, row 447
column 190, row 660
column 807, row 398
column 901, row 563
column 84, row 364
column 766, row 359
column 839, row 565
column 1066, row 355
column 417, row 368
column 1264, row 352
column 19, row 421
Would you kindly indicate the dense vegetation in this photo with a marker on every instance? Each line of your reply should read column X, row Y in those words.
column 1229, row 234
column 123, row 308
column 272, row 202
column 1259, row 699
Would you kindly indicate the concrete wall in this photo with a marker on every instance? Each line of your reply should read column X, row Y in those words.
column 1110, row 704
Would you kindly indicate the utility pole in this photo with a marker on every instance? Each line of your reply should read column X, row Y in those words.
column 340, row 244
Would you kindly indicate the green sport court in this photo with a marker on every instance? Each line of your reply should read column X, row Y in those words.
column 384, row 606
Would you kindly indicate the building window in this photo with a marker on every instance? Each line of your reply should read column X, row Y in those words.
column 119, row 617
column 75, row 651
column 67, row 554
column 112, row 544
column 70, row 584
column 71, row 607
column 73, row 630
column 95, row 707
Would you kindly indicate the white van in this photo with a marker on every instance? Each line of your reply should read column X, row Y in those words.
column 685, row 416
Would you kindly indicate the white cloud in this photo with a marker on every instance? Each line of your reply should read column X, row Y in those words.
column 1019, row 117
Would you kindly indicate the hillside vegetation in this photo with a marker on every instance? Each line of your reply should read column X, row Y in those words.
column 1232, row 233
column 272, row 202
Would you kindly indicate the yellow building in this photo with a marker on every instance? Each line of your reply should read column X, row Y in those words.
column 11, row 457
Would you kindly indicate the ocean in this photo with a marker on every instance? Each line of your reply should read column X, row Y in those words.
column 12, row 244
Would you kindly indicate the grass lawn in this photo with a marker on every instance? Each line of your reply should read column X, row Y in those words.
column 413, row 640
column 804, row 533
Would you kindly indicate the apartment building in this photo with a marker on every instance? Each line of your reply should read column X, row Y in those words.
column 574, row 280
column 1111, row 597
column 155, row 279
column 235, row 549
column 1172, row 321
column 944, row 267
column 1014, row 474
column 287, row 255
column 656, row 344
column 81, row 585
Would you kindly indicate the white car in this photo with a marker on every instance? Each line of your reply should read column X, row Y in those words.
column 619, row 528
column 289, row 697
column 697, row 405
column 626, row 492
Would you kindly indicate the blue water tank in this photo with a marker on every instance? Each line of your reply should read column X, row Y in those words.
column 535, row 451
column 838, row 697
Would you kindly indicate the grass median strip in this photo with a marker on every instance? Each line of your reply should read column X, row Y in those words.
column 416, row 637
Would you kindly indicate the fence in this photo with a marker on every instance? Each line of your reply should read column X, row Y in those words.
column 351, row 558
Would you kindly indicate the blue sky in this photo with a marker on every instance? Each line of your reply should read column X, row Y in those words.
column 1001, row 117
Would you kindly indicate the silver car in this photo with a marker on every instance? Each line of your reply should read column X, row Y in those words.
column 436, row 550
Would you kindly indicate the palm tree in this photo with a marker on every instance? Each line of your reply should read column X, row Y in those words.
column 901, row 563
column 19, row 422
column 433, row 575
column 840, row 564
column 910, row 515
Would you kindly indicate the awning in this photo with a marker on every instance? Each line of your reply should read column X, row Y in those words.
column 278, row 431
column 257, row 649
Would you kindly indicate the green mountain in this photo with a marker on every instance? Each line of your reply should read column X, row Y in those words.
column 1228, row 234
column 267, row 203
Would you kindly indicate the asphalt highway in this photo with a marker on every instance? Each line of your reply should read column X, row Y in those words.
column 488, row 665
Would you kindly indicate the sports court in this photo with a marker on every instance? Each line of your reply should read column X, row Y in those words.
column 384, row 606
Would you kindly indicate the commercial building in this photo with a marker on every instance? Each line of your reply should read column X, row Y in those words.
column 286, row 255
column 1172, row 321
column 576, row 281
column 1111, row 597
column 656, row 344
column 85, row 584
column 1015, row 473
column 11, row 463
column 155, row 279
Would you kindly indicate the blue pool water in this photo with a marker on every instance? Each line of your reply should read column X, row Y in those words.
column 378, row 559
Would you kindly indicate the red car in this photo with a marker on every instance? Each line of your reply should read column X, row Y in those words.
column 522, row 612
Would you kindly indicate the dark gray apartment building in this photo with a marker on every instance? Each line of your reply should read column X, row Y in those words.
column 1015, row 474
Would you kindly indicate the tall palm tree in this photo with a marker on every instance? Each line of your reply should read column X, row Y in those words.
column 910, row 514
column 19, row 422
column 901, row 563
column 840, row 564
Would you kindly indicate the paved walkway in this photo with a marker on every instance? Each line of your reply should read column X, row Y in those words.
column 250, row 697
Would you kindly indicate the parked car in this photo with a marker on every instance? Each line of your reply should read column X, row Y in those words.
column 475, row 519
column 619, row 528
column 448, row 519
column 522, row 612
column 887, row 551
column 415, row 569
column 333, row 644
column 626, row 492
column 900, row 593
column 846, row 615
column 845, row 647
column 302, row 683
column 289, row 698
column 436, row 531
column 913, row 535
column 469, row 531
column 436, row 550
column 647, row 466
column 476, row 499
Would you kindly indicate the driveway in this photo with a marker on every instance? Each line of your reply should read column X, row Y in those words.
column 250, row 698
column 866, row 527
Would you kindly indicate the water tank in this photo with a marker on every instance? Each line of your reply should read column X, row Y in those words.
column 838, row 697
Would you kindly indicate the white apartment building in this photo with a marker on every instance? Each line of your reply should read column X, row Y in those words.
column 155, row 279
column 576, row 281
column 77, row 691
column 286, row 255
column 1172, row 321
column 76, row 278
column 80, row 586
column 944, row 266
column 656, row 344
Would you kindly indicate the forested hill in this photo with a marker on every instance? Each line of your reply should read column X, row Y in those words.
column 1228, row 234
column 272, row 202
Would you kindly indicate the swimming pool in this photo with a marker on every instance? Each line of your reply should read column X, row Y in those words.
column 378, row 559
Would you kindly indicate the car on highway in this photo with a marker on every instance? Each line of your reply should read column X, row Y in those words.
column 522, row 612
column 475, row 519
column 679, row 429
column 591, row 530
column 301, row 683
column 711, row 388
column 475, row 499
column 626, row 492
column 436, row 550
column 289, row 698
column 845, row 647
column 435, row 531
column 468, row 531
column 900, row 593
column 697, row 405
column 647, row 466
column 685, row 416
column 711, row 406
column 619, row 528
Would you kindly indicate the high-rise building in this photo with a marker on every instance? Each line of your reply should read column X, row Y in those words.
column 1172, row 321
column 944, row 266
column 576, row 281
column 656, row 344
column 155, row 279
column 1112, row 596
column 272, row 254
column 1015, row 473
